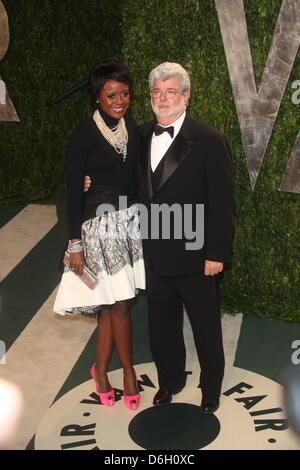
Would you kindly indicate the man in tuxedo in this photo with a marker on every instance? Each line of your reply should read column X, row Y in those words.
column 183, row 161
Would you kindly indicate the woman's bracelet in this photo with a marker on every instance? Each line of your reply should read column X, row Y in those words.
column 75, row 243
column 75, row 247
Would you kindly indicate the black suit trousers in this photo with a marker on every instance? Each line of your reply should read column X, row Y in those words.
column 200, row 295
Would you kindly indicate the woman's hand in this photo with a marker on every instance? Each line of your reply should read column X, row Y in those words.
column 87, row 183
column 76, row 262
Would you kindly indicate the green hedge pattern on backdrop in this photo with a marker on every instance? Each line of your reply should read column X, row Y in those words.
column 53, row 45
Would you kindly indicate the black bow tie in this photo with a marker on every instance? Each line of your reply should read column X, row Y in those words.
column 158, row 130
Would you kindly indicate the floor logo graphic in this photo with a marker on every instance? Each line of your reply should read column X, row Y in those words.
column 250, row 417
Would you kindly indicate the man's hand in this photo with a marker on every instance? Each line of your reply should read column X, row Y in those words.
column 87, row 183
column 212, row 268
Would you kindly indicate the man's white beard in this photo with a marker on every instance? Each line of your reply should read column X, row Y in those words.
column 168, row 112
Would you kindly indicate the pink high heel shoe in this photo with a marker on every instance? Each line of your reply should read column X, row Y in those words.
column 132, row 401
column 106, row 398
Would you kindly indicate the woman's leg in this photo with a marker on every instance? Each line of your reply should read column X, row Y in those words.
column 120, row 315
column 104, row 347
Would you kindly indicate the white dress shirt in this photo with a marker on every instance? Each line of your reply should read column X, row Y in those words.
column 161, row 143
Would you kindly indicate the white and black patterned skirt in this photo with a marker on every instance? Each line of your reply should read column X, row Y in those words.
column 113, row 252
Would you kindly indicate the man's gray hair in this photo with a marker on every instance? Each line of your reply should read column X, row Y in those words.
column 168, row 70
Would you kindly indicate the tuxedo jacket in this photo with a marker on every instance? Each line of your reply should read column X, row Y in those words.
column 196, row 169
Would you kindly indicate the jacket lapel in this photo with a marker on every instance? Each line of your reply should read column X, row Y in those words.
column 175, row 155
column 146, row 163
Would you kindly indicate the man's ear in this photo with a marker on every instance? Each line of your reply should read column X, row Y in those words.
column 187, row 96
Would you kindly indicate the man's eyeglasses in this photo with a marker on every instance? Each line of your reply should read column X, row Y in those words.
column 169, row 92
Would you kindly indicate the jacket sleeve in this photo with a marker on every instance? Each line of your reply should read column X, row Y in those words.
column 75, row 166
column 220, row 205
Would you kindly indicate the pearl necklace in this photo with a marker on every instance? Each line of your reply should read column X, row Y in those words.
column 116, row 136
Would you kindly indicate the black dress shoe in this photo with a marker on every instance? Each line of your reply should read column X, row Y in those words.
column 162, row 397
column 177, row 390
column 210, row 406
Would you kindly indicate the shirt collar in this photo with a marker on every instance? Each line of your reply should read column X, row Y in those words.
column 176, row 124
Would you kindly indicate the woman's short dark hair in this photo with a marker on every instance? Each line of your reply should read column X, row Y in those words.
column 103, row 71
